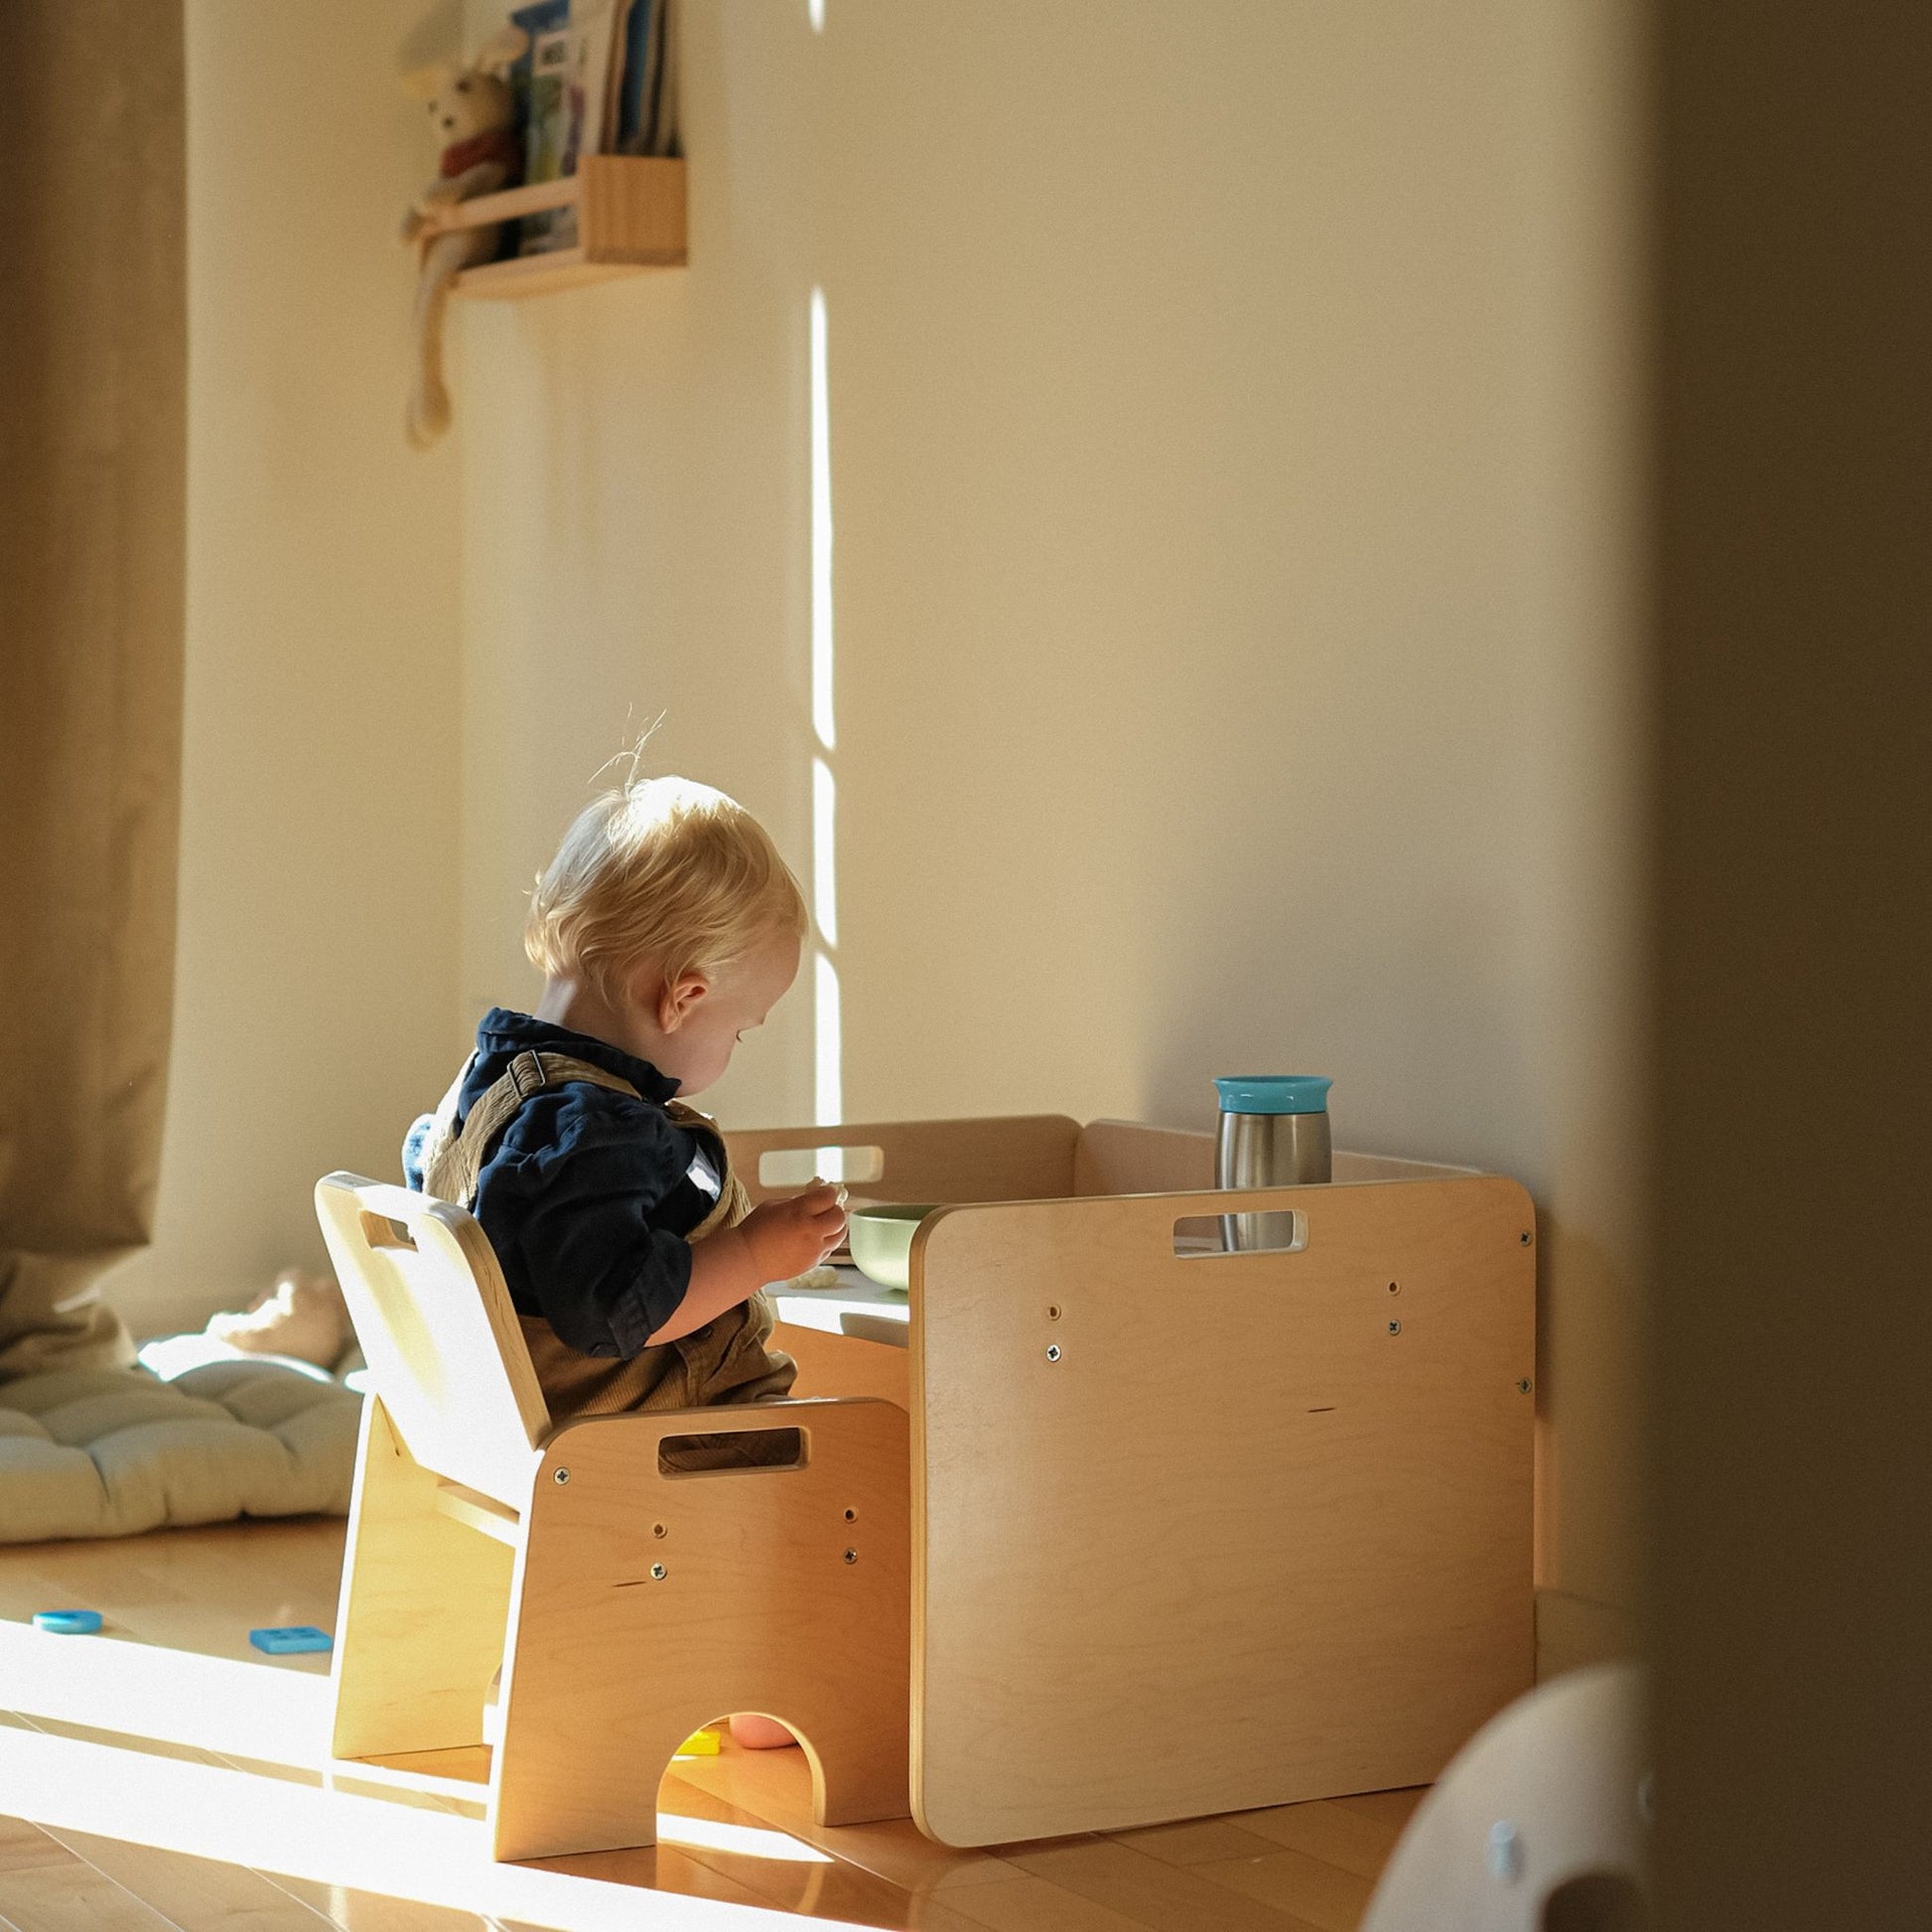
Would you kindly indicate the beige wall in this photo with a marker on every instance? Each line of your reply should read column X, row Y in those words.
column 317, row 864
column 1228, row 428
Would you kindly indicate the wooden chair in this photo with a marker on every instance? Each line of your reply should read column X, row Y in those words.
column 626, row 1603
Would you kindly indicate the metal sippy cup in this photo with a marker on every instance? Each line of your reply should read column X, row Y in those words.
column 1274, row 1133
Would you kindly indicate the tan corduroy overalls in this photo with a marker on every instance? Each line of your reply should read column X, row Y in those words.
column 724, row 1361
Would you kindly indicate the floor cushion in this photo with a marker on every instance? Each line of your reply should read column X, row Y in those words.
column 112, row 1452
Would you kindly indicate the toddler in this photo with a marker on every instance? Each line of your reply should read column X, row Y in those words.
column 667, row 928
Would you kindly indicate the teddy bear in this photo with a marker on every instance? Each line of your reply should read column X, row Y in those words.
column 302, row 1315
column 474, row 112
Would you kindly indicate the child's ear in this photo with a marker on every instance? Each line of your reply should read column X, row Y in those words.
column 678, row 998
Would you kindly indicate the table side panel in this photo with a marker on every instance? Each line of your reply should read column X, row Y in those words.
column 1239, row 1545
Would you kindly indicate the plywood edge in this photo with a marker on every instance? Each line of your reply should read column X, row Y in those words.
column 1573, row 1633
column 481, row 1512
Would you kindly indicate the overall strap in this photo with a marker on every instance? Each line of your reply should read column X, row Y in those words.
column 732, row 1203
column 453, row 1156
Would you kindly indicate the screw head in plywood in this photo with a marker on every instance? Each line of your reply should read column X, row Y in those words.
column 560, row 1477
column 1395, row 1327
column 1052, row 1351
column 1525, row 1386
column 658, row 1573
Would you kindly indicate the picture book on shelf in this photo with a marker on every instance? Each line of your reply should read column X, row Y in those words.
column 598, row 76
column 544, row 72
column 645, row 104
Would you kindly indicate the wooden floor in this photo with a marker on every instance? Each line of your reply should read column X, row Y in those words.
column 111, row 1830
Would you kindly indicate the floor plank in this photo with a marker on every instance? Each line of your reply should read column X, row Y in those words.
column 189, row 1589
column 816, row 1880
column 840, row 1891
column 656, row 1868
column 1320, row 1895
column 367, row 1911
column 1152, row 1893
column 1196, row 1842
column 1033, row 1904
column 46, row 1887
column 25, row 1847
column 1333, row 1832
column 196, row 1893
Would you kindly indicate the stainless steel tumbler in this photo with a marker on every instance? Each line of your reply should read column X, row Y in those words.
column 1274, row 1133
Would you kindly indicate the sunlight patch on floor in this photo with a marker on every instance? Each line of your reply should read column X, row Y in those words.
column 751, row 1840
column 177, row 1696
column 331, row 1837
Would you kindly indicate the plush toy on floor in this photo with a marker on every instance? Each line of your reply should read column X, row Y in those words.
column 302, row 1315
column 472, row 111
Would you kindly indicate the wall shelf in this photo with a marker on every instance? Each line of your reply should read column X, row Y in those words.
column 629, row 217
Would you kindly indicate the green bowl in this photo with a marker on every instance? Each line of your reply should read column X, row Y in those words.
column 881, row 1238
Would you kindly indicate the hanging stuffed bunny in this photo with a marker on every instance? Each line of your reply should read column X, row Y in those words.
column 473, row 112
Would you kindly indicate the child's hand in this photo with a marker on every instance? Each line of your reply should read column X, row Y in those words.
column 789, row 1236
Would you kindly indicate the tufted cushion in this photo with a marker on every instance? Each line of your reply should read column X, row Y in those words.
column 110, row 1451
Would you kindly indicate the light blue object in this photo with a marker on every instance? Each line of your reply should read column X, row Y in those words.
column 290, row 1638
column 67, row 1623
column 1504, row 1851
column 1274, row 1093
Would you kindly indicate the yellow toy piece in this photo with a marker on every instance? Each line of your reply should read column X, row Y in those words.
column 700, row 1743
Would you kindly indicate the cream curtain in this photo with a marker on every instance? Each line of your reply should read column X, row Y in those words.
column 92, row 406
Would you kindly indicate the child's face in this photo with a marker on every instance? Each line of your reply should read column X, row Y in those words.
column 688, row 1030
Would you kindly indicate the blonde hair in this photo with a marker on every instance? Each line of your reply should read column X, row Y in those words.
column 661, row 870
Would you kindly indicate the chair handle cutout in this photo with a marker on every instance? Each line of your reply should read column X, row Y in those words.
column 742, row 1452
column 1203, row 1237
column 379, row 1231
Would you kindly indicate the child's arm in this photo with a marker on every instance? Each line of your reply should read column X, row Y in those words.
column 771, row 1244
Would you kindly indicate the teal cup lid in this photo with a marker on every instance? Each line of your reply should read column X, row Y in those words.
column 1274, row 1093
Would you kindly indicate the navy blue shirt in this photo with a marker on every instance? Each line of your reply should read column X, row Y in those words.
column 587, row 1194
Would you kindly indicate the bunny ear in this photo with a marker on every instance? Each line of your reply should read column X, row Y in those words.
column 425, row 84
column 498, row 53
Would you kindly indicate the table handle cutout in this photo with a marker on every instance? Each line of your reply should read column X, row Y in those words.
column 796, row 1167
column 1211, row 1237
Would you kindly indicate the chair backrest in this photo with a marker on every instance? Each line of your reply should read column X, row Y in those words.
column 435, row 1320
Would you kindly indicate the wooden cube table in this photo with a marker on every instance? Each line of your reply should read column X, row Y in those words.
column 1192, row 1531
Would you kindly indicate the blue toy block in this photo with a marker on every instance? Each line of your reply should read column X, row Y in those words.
column 290, row 1638
column 67, row 1623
